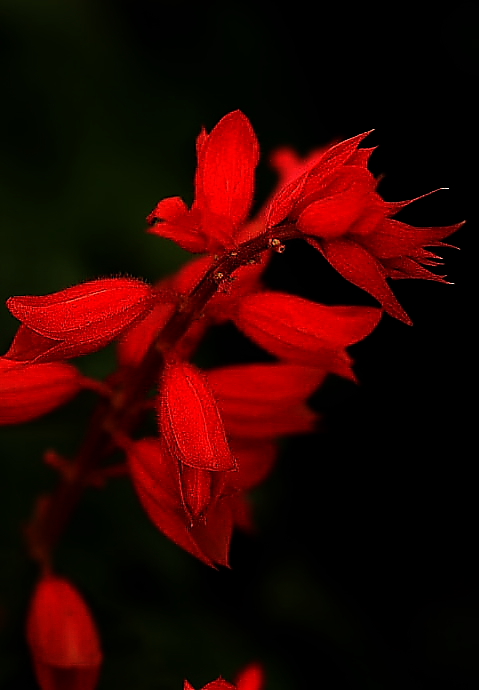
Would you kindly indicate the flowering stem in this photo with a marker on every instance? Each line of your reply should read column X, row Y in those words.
column 123, row 409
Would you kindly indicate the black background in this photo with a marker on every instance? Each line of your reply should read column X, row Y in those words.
column 363, row 571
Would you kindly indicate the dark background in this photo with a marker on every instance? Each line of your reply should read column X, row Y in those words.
column 363, row 572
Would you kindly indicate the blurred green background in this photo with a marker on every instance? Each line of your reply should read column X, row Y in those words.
column 363, row 572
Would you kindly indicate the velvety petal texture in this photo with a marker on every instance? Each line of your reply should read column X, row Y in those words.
column 189, row 420
column 303, row 332
column 62, row 637
column 83, row 318
column 31, row 390
column 224, row 188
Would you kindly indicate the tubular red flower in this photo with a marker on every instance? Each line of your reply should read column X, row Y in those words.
column 62, row 637
column 80, row 319
column 156, row 478
column 29, row 391
column 265, row 400
column 334, row 201
column 224, row 186
column 303, row 332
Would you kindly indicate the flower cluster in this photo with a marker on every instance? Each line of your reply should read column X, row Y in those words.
column 217, row 429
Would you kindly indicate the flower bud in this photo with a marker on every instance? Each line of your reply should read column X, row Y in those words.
column 62, row 637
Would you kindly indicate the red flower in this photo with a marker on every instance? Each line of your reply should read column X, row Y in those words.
column 265, row 401
column 31, row 390
column 303, row 332
column 78, row 320
column 224, row 186
column 335, row 203
column 156, row 478
column 62, row 637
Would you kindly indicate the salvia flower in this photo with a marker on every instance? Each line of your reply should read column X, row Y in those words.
column 224, row 187
column 333, row 200
column 217, row 430
column 77, row 321
column 62, row 637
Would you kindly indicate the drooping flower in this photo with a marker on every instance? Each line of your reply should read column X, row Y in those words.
column 157, row 480
column 334, row 201
column 62, row 637
column 224, row 187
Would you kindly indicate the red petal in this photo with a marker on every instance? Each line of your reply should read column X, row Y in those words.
column 190, row 421
column 297, row 419
column 134, row 345
column 173, row 221
column 253, row 386
column 226, row 168
column 265, row 400
column 92, row 313
column 357, row 265
column 337, row 155
column 255, row 462
column 29, row 346
column 62, row 637
column 333, row 216
column 301, row 331
column 213, row 535
column 29, row 391
column 284, row 201
column 199, row 489
column 155, row 477
column 395, row 239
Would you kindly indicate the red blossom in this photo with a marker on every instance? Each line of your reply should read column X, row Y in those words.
column 62, row 637
column 31, row 390
column 78, row 320
column 303, row 332
column 265, row 400
column 334, row 201
column 224, row 186
column 157, row 480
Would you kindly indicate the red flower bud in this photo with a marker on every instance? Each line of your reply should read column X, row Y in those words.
column 31, row 390
column 62, row 637
column 84, row 318
column 190, row 421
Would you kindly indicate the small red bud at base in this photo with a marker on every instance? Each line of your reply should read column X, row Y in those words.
column 63, row 638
